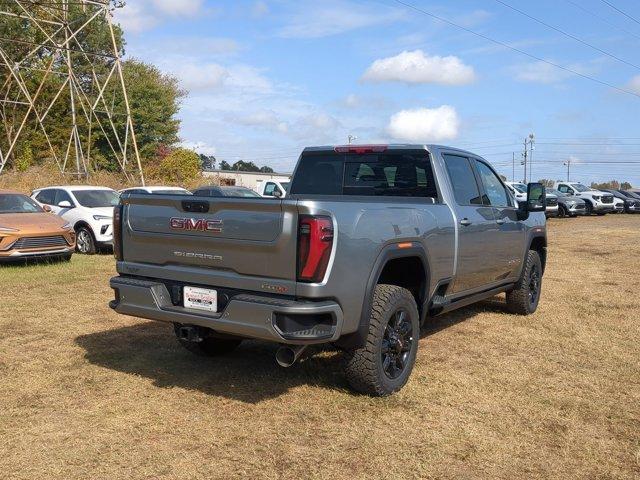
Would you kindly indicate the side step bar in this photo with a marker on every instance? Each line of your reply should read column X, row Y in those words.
column 441, row 304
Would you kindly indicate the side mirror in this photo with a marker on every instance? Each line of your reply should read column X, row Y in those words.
column 46, row 208
column 536, row 197
column 277, row 193
column 65, row 204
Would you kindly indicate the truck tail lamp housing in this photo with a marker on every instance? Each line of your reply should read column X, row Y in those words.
column 117, row 232
column 315, row 241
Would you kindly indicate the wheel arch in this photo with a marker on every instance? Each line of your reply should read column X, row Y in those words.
column 539, row 244
column 406, row 267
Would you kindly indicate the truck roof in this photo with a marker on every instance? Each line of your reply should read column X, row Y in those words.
column 391, row 146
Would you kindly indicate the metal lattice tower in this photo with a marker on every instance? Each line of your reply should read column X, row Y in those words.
column 37, row 76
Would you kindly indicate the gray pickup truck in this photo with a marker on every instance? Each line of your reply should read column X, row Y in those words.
column 370, row 242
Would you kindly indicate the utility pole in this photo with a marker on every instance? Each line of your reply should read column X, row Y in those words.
column 513, row 166
column 532, row 139
column 568, row 164
column 351, row 138
column 528, row 144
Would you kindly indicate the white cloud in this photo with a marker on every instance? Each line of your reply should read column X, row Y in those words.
column 416, row 67
column 139, row 15
column 634, row 84
column 425, row 124
column 545, row 73
column 199, row 147
column 182, row 8
column 265, row 119
column 322, row 19
column 202, row 77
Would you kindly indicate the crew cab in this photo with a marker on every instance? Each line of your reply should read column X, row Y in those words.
column 596, row 201
column 370, row 242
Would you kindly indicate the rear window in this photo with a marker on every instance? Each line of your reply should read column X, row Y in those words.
column 392, row 173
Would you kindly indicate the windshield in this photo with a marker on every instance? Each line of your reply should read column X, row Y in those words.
column 579, row 187
column 285, row 185
column 97, row 198
column 16, row 203
column 520, row 187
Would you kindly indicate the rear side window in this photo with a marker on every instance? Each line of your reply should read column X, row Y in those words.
column 392, row 173
column 463, row 180
column 46, row 197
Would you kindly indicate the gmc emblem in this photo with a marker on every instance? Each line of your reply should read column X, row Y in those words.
column 196, row 224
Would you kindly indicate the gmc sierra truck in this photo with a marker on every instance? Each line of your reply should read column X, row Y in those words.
column 370, row 241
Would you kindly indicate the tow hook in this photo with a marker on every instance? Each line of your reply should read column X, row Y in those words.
column 189, row 333
column 288, row 355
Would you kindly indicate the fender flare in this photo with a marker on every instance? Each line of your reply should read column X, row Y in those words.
column 389, row 252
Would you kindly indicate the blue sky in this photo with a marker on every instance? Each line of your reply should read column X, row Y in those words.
column 265, row 78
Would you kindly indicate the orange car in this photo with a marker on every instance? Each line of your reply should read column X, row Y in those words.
column 27, row 230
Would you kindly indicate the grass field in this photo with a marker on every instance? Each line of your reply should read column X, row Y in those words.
column 85, row 393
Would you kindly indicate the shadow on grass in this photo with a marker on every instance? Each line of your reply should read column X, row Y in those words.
column 30, row 261
column 249, row 374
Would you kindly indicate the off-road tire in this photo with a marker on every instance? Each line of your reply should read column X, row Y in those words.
column 364, row 366
column 84, row 234
column 210, row 346
column 522, row 300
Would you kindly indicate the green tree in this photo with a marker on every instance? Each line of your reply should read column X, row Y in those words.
column 266, row 169
column 224, row 165
column 179, row 166
column 548, row 183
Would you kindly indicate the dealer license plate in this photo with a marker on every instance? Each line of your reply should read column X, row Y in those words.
column 201, row 298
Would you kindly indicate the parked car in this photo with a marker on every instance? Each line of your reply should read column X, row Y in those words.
column 519, row 190
column 568, row 205
column 157, row 190
column 596, row 201
column 221, row 191
column 272, row 188
column 27, row 230
column 370, row 242
column 629, row 204
column 551, row 208
column 630, row 194
column 88, row 209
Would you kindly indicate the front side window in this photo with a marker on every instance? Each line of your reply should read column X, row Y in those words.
column 564, row 188
column 579, row 187
column 463, row 180
column 62, row 196
column 16, row 203
column 97, row 198
column 495, row 192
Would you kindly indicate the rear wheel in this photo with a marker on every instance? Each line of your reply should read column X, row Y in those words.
column 524, row 298
column 85, row 243
column 383, row 365
column 209, row 345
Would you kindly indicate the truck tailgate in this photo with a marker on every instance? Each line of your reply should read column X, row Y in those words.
column 209, row 238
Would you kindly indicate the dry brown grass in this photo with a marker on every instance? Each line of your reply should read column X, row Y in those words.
column 85, row 393
column 47, row 175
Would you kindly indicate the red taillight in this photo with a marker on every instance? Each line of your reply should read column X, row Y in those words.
column 315, row 239
column 117, row 232
column 361, row 149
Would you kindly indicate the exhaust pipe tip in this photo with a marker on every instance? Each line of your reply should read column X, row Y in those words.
column 286, row 356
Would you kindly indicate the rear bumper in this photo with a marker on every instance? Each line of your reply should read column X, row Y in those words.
column 245, row 315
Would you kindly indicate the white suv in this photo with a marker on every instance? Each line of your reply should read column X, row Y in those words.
column 596, row 201
column 88, row 209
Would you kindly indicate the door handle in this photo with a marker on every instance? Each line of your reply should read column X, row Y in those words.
column 466, row 222
column 500, row 221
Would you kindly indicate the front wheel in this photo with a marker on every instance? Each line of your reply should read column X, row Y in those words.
column 588, row 208
column 562, row 211
column 85, row 243
column 383, row 365
column 524, row 298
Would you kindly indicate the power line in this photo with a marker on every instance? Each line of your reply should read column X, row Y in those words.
column 620, row 11
column 599, row 17
column 567, row 34
column 515, row 49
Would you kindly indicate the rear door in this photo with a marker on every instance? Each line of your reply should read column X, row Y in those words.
column 509, row 242
column 216, row 237
column 477, row 228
